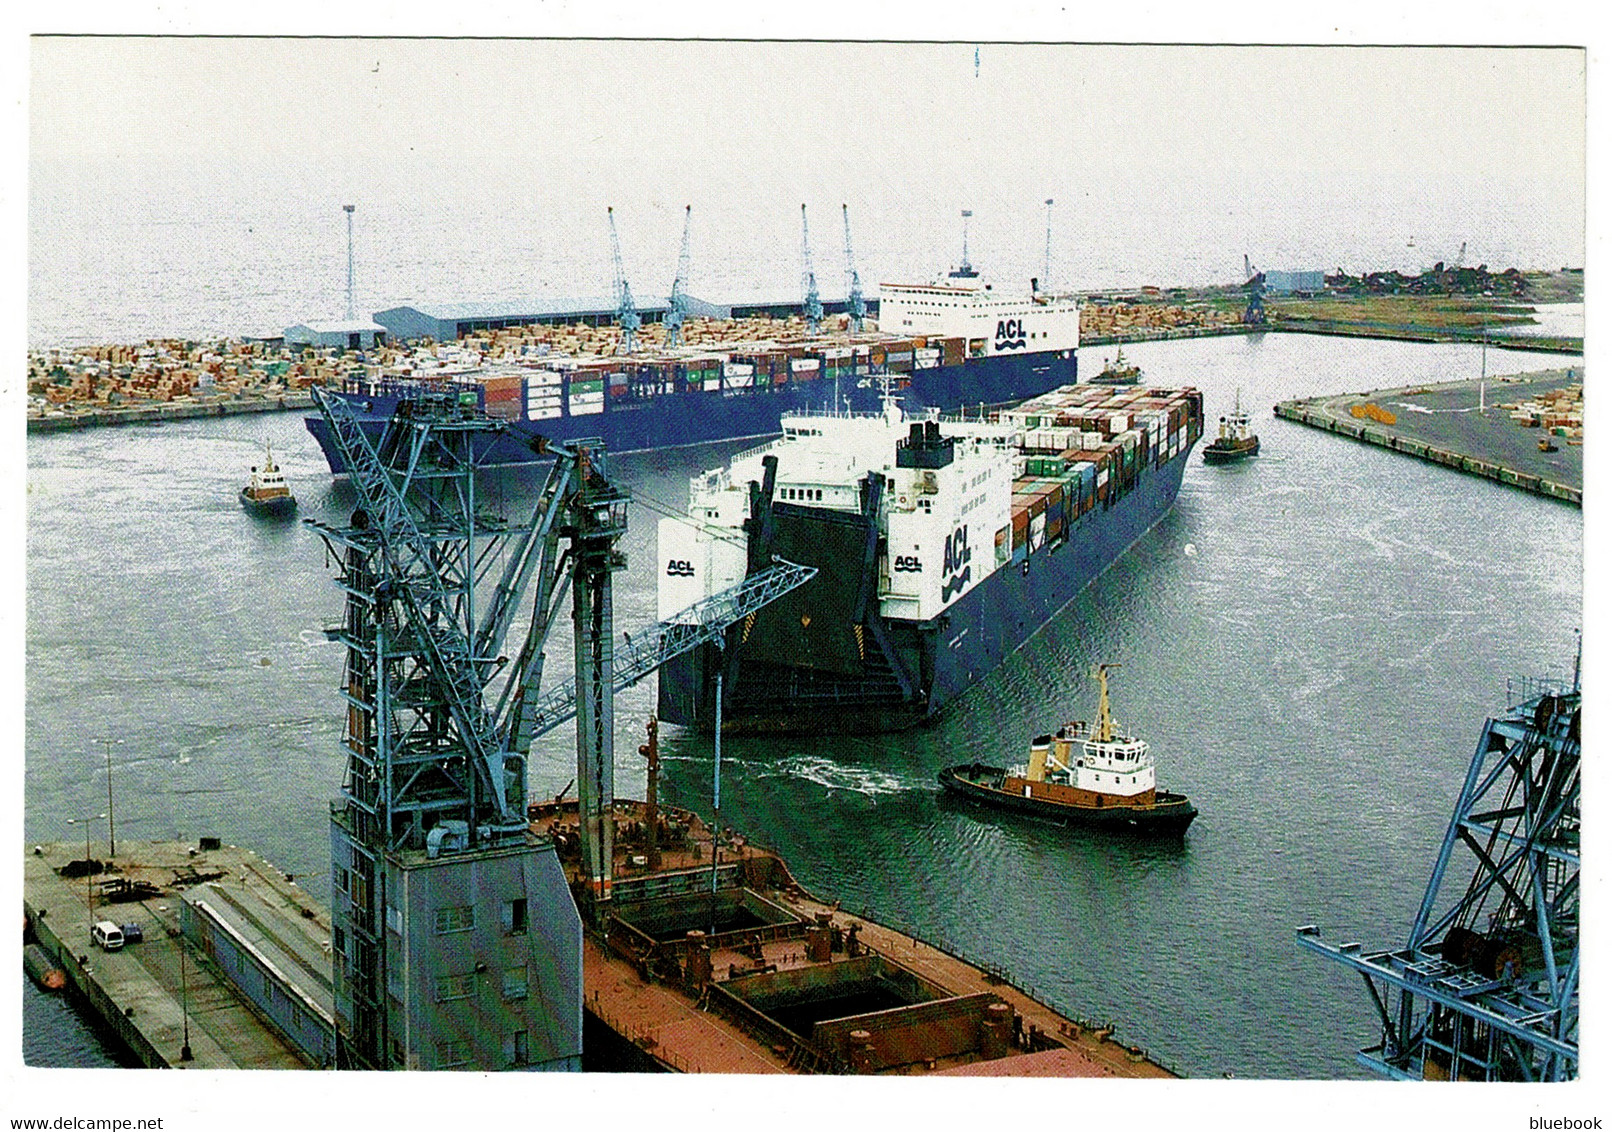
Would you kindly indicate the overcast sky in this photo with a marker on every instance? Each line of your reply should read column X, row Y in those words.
column 655, row 107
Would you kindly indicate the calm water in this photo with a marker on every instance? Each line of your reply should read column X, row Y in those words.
column 1310, row 641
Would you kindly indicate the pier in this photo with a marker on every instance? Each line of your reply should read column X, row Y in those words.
column 170, row 1001
column 1442, row 424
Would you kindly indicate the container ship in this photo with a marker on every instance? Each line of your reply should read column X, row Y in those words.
column 942, row 544
column 947, row 345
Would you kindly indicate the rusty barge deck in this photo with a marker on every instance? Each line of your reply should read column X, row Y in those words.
column 760, row 976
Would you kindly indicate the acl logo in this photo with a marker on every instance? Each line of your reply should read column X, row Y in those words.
column 1010, row 334
column 679, row 568
column 908, row 564
column 955, row 571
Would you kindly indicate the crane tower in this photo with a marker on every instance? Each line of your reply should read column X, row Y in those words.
column 677, row 306
column 814, row 304
column 855, row 305
column 626, row 313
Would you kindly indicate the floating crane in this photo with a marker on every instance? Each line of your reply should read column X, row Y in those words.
column 855, row 306
column 626, row 313
column 439, row 720
column 677, row 306
column 1254, row 313
column 814, row 305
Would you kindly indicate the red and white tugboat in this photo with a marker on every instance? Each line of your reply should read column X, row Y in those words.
column 266, row 492
column 1086, row 774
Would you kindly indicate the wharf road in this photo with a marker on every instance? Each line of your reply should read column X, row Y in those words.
column 1441, row 424
column 141, row 991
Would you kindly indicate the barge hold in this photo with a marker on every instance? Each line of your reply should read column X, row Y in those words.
column 941, row 545
column 729, row 966
column 948, row 345
column 1486, row 986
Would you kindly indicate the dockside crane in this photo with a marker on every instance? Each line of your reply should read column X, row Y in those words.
column 440, row 718
column 1254, row 313
column 855, row 305
column 814, row 304
column 626, row 313
column 677, row 306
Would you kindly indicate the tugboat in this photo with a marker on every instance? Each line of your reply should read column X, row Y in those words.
column 1117, row 372
column 266, row 492
column 1236, row 439
column 1087, row 774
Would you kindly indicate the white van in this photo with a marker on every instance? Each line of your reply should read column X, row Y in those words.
column 107, row 935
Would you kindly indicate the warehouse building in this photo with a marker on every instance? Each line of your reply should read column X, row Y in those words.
column 361, row 334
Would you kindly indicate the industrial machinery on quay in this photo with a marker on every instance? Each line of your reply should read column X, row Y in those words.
column 1486, row 986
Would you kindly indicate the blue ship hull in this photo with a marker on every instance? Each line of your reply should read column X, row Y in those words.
column 702, row 416
column 919, row 668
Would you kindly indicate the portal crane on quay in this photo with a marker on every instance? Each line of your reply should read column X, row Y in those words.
column 1254, row 313
column 626, row 312
column 814, row 304
column 439, row 724
column 677, row 305
column 855, row 305
column 1486, row 986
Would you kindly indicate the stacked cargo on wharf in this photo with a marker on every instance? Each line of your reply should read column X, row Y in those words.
column 941, row 546
column 948, row 346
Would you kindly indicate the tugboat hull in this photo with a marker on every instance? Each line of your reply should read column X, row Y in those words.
column 1213, row 454
column 276, row 508
column 1167, row 816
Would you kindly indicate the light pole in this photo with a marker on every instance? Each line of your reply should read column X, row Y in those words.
column 111, row 835
column 89, row 896
column 184, row 1000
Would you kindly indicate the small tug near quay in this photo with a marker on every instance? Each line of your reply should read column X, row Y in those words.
column 1087, row 774
column 266, row 492
column 1236, row 440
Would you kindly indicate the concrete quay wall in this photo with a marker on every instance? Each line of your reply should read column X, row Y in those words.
column 1492, row 447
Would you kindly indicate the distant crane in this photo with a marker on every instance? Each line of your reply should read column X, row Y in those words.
column 814, row 304
column 854, row 304
column 348, row 209
column 626, row 313
column 677, row 306
column 1254, row 313
column 1460, row 258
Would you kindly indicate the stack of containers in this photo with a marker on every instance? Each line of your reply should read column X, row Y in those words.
column 543, row 395
column 585, row 389
column 502, row 396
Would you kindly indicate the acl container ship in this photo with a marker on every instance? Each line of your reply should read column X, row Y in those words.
column 946, row 345
column 941, row 545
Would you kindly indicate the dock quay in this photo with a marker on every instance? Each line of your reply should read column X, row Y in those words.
column 157, row 411
column 1442, row 424
column 219, row 924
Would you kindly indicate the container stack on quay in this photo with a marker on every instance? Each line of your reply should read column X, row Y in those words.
column 1560, row 412
column 1127, row 321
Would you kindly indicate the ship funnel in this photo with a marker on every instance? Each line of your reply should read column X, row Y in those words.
column 1037, row 770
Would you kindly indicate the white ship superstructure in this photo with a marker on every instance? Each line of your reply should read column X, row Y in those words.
column 990, row 323
column 944, row 515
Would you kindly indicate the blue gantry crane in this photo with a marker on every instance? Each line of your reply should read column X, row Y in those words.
column 677, row 305
column 814, row 304
column 626, row 313
column 1486, row 986
column 855, row 305
column 439, row 722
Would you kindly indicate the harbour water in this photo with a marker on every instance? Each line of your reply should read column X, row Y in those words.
column 1310, row 641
